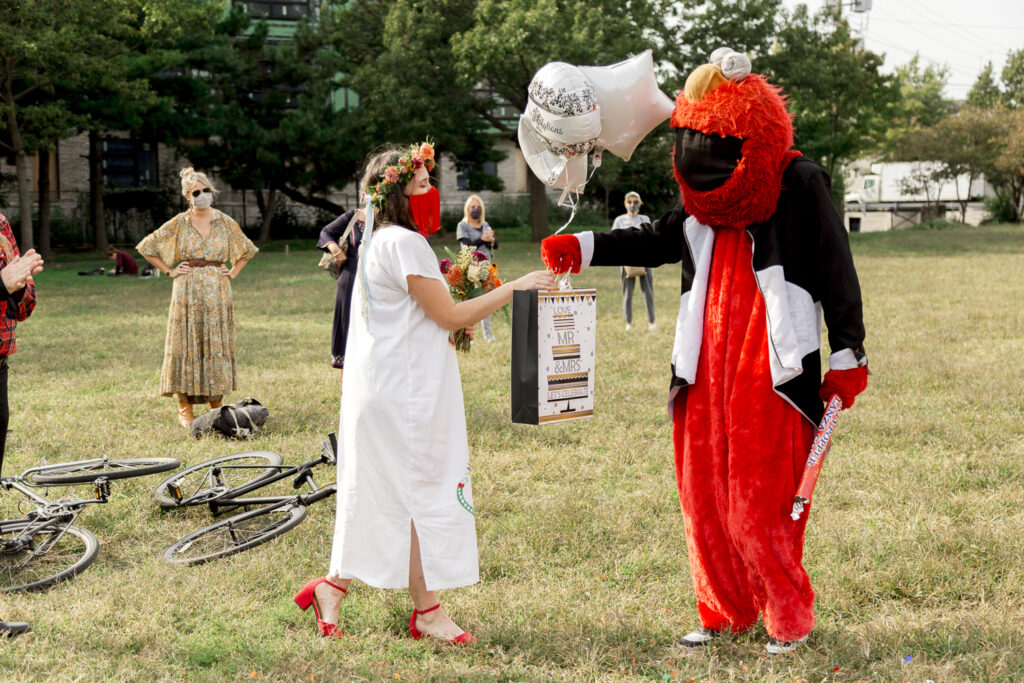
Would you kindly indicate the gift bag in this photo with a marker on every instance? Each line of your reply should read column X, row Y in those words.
column 553, row 360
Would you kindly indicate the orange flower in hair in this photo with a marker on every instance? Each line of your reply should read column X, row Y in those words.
column 426, row 151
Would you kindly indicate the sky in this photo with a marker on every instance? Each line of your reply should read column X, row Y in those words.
column 962, row 34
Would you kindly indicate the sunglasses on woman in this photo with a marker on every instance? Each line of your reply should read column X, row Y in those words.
column 196, row 193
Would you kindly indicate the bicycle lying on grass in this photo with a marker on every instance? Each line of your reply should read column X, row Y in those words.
column 222, row 484
column 45, row 547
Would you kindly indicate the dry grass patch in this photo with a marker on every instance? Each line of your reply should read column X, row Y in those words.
column 913, row 546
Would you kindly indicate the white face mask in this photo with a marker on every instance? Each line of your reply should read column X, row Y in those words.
column 203, row 201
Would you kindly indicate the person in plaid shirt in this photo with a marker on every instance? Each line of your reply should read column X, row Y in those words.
column 17, row 300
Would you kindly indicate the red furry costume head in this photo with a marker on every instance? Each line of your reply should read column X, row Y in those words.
column 739, row 124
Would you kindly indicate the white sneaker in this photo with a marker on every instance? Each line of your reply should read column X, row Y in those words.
column 777, row 647
column 699, row 638
column 653, row 326
column 628, row 327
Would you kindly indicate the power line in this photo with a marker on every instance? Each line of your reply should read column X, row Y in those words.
column 935, row 14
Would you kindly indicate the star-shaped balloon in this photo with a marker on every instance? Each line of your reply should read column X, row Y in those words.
column 630, row 102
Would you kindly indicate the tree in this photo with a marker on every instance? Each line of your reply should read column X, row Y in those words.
column 1007, row 171
column 839, row 99
column 137, row 40
column 41, row 40
column 919, row 104
column 1013, row 79
column 404, row 98
column 693, row 29
column 262, row 115
column 984, row 94
column 511, row 39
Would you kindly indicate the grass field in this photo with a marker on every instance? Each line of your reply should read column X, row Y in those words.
column 914, row 546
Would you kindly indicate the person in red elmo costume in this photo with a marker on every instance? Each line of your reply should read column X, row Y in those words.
column 764, row 254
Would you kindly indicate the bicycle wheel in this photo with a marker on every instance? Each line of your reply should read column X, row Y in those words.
column 197, row 484
column 235, row 534
column 34, row 556
column 84, row 471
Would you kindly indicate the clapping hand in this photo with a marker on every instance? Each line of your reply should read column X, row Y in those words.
column 19, row 271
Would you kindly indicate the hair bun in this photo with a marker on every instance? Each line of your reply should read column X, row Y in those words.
column 186, row 172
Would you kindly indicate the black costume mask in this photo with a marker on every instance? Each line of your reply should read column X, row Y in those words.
column 706, row 161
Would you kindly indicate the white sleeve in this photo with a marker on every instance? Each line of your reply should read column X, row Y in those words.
column 412, row 255
column 586, row 240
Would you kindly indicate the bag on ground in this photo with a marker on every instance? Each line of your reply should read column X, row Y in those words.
column 239, row 420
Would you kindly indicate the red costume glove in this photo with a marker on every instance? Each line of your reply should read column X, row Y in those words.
column 561, row 253
column 846, row 383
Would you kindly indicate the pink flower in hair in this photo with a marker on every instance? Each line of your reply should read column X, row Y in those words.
column 391, row 174
column 416, row 163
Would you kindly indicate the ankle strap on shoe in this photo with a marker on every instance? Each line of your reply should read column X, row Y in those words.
column 334, row 585
column 424, row 611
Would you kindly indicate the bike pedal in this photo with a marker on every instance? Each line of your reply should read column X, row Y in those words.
column 174, row 491
column 102, row 488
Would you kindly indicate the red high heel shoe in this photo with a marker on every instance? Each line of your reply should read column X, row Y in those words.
column 461, row 639
column 307, row 596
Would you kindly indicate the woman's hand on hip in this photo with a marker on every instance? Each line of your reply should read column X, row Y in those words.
column 226, row 272
column 181, row 269
column 538, row 279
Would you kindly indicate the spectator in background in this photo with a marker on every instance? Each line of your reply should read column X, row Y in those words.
column 124, row 264
column 348, row 261
column 630, row 274
column 17, row 301
column 475, row 232
column 199, row 351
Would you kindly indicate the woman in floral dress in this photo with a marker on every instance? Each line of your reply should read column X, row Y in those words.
column 199, row 351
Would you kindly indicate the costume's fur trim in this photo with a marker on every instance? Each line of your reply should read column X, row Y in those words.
column 754, row 111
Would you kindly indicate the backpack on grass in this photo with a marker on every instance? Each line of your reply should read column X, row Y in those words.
column 239, row 420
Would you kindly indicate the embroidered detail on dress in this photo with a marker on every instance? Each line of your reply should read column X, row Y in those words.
column 460, row 493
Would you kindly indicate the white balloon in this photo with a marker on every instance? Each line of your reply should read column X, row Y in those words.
column 630, row 102
column 555, row 170
column 560, row 125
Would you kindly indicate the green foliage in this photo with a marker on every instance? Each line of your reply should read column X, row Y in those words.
column 932, row 224
column 407, row 94
column 985, row 93
column 1013, row 79
column 1000, row 208
column 839, row 98
column 693, row 29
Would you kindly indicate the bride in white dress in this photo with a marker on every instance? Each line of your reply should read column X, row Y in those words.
column 405, row 511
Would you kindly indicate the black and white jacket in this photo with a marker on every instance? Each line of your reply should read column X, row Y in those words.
column 803, row 267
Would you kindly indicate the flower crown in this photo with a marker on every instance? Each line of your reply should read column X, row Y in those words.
column 402, row 172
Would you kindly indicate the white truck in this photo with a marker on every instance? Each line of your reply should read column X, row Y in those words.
column 887, row 184
column 894, row 189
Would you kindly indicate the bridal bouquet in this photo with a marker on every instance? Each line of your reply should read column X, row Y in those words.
column 469, row 274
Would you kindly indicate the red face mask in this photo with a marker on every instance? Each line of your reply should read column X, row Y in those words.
column 426, row 211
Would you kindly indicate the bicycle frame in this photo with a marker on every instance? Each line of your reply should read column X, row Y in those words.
column 64, row 511
column 229, row 500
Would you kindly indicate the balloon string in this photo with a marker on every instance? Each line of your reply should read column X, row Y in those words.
column 572, row 199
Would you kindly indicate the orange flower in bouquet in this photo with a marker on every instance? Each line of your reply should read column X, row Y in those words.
column 469, row 274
